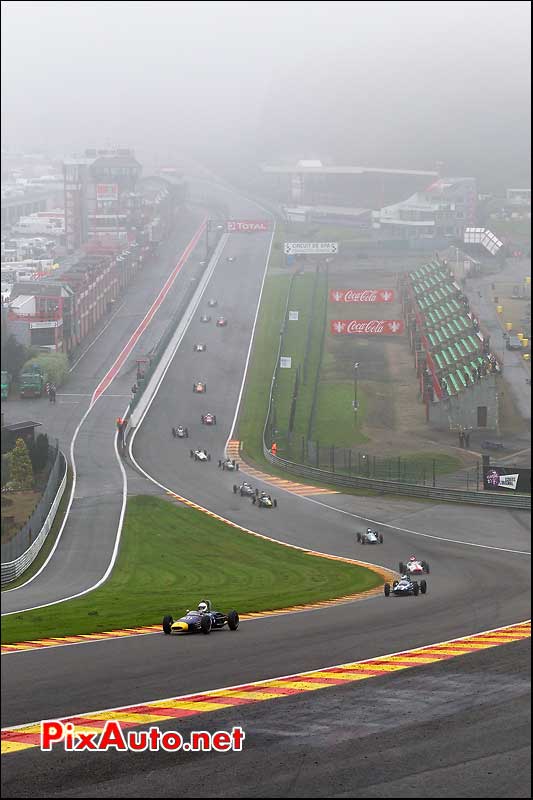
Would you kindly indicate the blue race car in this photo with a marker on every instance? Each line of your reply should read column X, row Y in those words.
column 203, row 620
column 405, row 586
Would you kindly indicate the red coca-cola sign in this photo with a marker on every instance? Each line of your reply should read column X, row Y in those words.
column 247, row 226
column 367, row 327
column 361, row 295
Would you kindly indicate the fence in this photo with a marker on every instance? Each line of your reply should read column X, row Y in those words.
column 153, row 358
column 356, row 469
column 20, row 551
column 394, row 487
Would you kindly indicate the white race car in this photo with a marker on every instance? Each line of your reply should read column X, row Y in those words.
column 413, row 567
column 228, row 463
column 209, row 419
column 200, row 348
column 370, row 537
column 200, row 455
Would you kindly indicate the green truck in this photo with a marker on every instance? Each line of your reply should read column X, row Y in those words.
column 6, row 383
column 31, row 381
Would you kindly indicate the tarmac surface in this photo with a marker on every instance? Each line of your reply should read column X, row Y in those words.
column 454, row 729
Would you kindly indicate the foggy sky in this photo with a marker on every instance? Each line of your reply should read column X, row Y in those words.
column 375, row 83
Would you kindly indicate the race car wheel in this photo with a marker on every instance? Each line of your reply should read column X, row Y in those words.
column 174, row 432
column 363, row 540
column 358, row 537
column 167, row 624
column 219, row 462
column 254, row 499
column 401, row 568
column 386, row 589
column 274, row 503
column 395, row 584
column 381, row 538
column 416, row 589
column 237, row 467
column 209, row 457
column 425, row 567
column 206, row 624
column 233, row 620
column 192, row 453
column 423, row 587
column 236, row 489
column 214, row 420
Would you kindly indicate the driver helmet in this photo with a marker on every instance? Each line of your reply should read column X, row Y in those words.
column 369, row 530
column 202, row 607
column 412, row 558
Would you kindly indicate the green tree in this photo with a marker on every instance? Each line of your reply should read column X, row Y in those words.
column 39, row 452
column 21, row 469
column 14, row 355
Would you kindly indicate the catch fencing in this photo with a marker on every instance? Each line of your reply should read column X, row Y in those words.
column 20, row 551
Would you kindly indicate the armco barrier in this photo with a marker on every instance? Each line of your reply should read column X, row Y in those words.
column 395, row 487
column 14, row 569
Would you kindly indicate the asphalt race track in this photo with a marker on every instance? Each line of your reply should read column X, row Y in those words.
column 459, row 728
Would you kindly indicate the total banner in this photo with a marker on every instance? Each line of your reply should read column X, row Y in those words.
column 247, row 226
column 507, row 479
column 367, row 327
column 361, row 295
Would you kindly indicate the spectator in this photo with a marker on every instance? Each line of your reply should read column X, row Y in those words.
column 467, row 440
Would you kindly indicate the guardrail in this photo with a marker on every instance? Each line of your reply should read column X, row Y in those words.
column 11, row 570
column 396, row 487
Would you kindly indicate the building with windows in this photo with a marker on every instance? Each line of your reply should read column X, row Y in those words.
column 441, row 211
column 100, row 197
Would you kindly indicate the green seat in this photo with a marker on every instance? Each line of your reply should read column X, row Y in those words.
column 439, row 336
column 432, row 341
column 451, row 379
column 439, row 361
column 446, row 358
column 461, row 378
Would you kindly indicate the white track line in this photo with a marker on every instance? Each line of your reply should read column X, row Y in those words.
column 195, row 238
column 415, row 533
column 277, row 678
column 106, row 326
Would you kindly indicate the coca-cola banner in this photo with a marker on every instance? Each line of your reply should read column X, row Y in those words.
column 367, row 327
column 247, row 226
column 361, row 295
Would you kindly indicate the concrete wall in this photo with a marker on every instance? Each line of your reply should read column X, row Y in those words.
column 462, row 410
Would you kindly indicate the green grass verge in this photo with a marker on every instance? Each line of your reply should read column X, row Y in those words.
column 257, row 389
column 172, row 557
column 50, row 539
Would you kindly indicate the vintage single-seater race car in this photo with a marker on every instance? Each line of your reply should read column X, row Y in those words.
column 245, row 490
column 405, row 586
column 212, row 303
column 413, row 567
column 200, row 455
column 203, row 620
column 209, row 419
column 180, row 432
column 199, row 387
column 222, row 322
column 228, row 464
column 205, row 318
column 230, row 258
column 264, row 500
column 370, row 537
column 200, row 348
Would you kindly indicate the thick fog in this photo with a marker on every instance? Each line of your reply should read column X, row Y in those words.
column 375, row 83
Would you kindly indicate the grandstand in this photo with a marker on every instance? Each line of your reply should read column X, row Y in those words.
column 453, row 359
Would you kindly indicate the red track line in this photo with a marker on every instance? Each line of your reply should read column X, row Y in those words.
column 113, row 371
